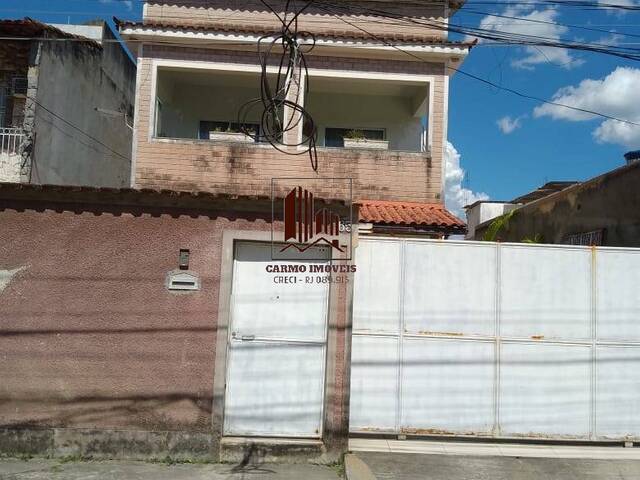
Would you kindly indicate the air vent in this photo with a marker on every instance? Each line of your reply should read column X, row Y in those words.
column 183, row 281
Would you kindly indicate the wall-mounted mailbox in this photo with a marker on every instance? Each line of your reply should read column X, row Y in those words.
column 179, row 280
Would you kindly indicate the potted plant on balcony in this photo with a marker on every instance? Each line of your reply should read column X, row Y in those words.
column 358, row 139
column 231, row 134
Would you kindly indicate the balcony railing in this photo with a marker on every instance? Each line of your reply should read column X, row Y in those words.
column 10, row 141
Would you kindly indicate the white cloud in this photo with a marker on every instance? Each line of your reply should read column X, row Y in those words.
column 456, row 196
column 533, row 23
column 616, row 95
column 618, row 3
column 126, row 3
column 508, row 125
column 612, row 40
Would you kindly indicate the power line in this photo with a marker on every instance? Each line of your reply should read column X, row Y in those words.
column 495, row 35
column 75, row 127
column 492, row 84
column 545, row 22
column 508, row 38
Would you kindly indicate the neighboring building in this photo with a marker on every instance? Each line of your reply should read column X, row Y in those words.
column 604, row 210
column 66, row 99
column 483, row 211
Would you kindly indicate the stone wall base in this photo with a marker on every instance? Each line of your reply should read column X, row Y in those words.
column 108, row 444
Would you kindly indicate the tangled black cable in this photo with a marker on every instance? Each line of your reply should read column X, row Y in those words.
column 275, row 92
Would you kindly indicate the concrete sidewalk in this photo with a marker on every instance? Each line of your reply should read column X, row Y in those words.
column 411, row 466
column 495, row 449
column 40, row 469
column 381, row 459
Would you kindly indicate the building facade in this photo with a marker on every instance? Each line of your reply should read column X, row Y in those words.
column 198, row 66
column 199, row 329
column 66, row 98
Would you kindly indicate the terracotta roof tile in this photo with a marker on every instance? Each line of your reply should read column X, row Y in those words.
column 408, row 214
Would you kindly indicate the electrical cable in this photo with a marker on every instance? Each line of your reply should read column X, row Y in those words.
column 487, row 82
column 67, row 122
column 282, row 93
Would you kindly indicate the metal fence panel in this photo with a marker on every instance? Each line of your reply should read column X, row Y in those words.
column 545, row 292
column 374, row 376
column 447, row 386
column 433, row 304
column 618, row 391
column 545, row 390
column 502, row 340
column 618, row 298
column 377, row 287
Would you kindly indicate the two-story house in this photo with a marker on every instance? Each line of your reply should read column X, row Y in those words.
column 374, row 90
column 387, row 79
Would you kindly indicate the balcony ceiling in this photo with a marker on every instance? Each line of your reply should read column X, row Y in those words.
column 211, row 78
column 357, row 86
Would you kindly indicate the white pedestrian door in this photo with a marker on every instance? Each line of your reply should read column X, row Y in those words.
column 277, row 343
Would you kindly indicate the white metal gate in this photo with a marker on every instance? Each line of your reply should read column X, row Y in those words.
column 509, row 340
column 276, row 349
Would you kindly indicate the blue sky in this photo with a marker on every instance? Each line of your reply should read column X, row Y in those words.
column 533, row 145
column 553, row 145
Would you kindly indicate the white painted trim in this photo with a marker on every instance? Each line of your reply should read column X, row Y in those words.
column 391, row 77
column 206, row 65
column 429, row 142
column 148, row 33
column 152, row 101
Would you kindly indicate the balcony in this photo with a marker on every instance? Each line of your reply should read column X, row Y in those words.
column 10, row 158
column 204, row 105
column 374, row 131
column 370, row 114
column 352, row 113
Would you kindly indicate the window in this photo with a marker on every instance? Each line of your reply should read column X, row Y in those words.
column 334, row 137
column 206, row 127
column 595, row 237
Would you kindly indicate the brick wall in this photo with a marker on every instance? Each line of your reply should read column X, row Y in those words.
column 14, row 57
column 319, row 19
column 248, row 169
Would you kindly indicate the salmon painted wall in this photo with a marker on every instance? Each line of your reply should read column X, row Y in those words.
column 89, row 335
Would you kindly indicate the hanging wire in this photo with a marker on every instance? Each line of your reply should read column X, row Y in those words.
column 280, row 94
